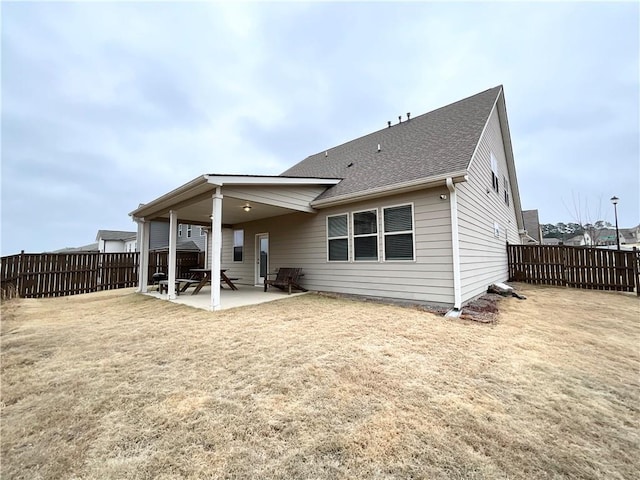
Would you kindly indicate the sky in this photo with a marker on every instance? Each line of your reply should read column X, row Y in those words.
column 112, row 104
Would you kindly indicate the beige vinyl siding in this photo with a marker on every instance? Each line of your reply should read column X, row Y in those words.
column 300, row 240
column 483, row 257
column 293, row 197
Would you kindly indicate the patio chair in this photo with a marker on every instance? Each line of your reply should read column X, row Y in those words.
column 286, row 278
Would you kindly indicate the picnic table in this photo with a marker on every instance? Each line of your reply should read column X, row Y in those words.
column 205, row 274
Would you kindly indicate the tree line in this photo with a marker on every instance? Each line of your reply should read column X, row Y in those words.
column 567, row 230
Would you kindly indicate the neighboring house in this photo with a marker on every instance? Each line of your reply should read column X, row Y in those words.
column 421, row 210
column 630, row 236
column 116, row 241
column 607, row 237
column 584, row 239
column 552, row 241
column 159, row 236
column 532, row 226
column 91, row 248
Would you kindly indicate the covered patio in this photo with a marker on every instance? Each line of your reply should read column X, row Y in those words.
column 245, row 295
column 216, row 202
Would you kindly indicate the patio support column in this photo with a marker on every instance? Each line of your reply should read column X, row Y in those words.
column 216, row 248
column 143, row 249
column 173, row 240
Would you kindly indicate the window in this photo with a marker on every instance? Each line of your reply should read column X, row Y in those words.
column 189, row 230
column 494, row 173
column 238, row 245
column 179, row 229
column 338, row 238
column 506, row 190
column 365, row 236
column 398, row 233
column 203, row 231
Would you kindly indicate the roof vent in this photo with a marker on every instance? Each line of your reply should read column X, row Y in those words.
column 326, row 153
column 408, row 116
column 399, row 118
column 379, row 148
column 389, row 124
column 350, row 165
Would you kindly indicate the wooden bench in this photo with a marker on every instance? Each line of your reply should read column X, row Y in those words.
column 286, row 278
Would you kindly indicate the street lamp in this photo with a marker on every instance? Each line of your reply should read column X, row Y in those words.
column 614, row 200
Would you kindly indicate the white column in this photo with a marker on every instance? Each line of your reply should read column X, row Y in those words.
column 455, row 245
column 216, row 248
column 143, row 248
column 173, row 240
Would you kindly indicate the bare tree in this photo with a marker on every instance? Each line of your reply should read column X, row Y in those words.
column 589, row 217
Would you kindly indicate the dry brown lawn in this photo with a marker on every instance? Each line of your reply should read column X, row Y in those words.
column 118, row 385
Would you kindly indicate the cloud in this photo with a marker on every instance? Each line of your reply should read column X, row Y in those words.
column 106, row 105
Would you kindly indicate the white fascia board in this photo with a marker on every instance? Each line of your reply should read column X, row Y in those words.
column 394, row 189
column 172, row 196
column 220, row 180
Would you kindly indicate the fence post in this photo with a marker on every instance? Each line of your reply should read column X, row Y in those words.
column 636, row 275
column 20, row 281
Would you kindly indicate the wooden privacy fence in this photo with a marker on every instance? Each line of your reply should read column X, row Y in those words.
column 579, row 267
column 39, row 275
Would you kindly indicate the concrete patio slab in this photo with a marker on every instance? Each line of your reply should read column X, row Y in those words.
column 245, row 295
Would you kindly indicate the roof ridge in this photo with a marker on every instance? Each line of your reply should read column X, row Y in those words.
column 500, row 87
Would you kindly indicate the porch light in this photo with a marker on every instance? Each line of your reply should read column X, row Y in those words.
column 247, row 208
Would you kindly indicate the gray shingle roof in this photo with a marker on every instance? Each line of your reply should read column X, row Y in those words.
column 429, row 145
column 115, row 235
column 531, row 223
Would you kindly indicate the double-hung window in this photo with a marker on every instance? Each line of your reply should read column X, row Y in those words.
column 365, row 235
column 398, row 233
column 506, row 190
column 494, row 173
column 189, row 230
column 238, row 245
column 338, row 238
column 179, row 229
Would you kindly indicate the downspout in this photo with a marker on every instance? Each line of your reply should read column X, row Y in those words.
column 455, row 244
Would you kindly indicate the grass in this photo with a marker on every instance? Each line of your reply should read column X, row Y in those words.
column 118, row 385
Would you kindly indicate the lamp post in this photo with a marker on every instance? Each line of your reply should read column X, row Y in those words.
column 614, row 200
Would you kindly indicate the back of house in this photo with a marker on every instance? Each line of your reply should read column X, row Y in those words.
column 420, row 210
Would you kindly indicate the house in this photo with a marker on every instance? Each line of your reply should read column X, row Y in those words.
column 188, row 236
column 116, row 241
column 420, row 210
column 91, row 248
column 552, row 241
column 584, row 239
column 532, row 226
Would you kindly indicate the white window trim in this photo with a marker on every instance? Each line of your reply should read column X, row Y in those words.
column 377, row 235
column 189, row 230
column 179, row 229
column 327, row 238
column 412, row 232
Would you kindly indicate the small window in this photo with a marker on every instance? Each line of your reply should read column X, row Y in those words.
column 189, row 231
column 398, row 233
column 494, row 173
column 338, row 238
column 506, row 190
column 203, row 231
column 179, row 229
column 238, row 245
column 365, row 236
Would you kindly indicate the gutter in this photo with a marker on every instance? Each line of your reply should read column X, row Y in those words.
column 413, row 185
column 455, row 244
